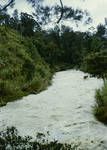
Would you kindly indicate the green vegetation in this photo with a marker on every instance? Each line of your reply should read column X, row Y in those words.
column 11, row 140
column 96, row 64
column 22, row 70
column 100, row 109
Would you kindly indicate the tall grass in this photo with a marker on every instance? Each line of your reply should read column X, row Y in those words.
column 100, row 109
column 22, row 70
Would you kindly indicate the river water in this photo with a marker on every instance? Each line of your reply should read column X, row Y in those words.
column 65, row 109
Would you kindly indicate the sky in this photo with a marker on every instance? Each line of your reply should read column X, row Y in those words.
column 96, row 8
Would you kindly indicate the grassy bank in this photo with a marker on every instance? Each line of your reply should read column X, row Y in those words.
column 22, row 70
column 100, row 109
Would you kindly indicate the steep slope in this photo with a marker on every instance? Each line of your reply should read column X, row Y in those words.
column 22, row 70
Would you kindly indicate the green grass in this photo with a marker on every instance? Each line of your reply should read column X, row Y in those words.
column 100, row 109
column 22, row 70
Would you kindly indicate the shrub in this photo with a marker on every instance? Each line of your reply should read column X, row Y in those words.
column 11, row 140
column 100, row 109
column 9, row 91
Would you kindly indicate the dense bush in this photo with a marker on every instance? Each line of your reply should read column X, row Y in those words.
column 100, row 109
column 22, row 70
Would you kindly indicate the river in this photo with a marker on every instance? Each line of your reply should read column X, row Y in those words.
column 65, row 109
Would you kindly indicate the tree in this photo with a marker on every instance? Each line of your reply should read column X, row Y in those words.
column 100, row 30
column 28, row 25
column 4, row 18
column 6, row 5
column 46, row 14
column 96, row 64
column 14, row 20
column 36, row 3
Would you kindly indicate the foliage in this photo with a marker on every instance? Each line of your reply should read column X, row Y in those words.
column 7, row 4
column 10, row 139
column 101, row 30
column 22, row 70
column 96, row 64
column 46, row 14
column 27, row 24
column 100, row 109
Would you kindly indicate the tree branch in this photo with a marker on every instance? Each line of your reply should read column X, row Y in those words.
column 7, row 5
column 62, row 11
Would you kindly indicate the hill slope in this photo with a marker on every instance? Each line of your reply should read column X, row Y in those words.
column 22, row 70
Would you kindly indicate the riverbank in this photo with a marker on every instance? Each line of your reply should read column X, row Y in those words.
column 22, row 70
column 100, row 110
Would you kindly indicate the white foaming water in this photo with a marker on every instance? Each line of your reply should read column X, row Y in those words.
column 65, row 109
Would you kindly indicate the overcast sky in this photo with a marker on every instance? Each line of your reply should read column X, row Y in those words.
column 96, row 8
